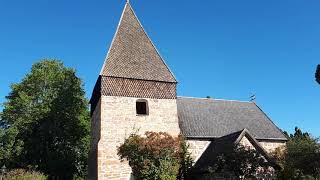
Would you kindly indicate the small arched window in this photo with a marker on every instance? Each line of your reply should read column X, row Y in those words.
column 142, row 107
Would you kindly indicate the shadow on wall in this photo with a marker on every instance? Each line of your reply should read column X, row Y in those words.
column 131, row 177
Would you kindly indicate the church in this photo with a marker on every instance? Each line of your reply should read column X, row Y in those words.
column 136, row 90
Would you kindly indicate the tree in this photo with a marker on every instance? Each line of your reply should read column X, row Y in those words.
column 301, row 157
column 317, row 74
column 156, row 156
column 48, row 122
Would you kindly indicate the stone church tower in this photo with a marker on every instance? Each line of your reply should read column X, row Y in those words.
column 135, row 91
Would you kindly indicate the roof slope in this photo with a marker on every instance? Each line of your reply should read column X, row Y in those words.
column 132, row 54
column 209, row 118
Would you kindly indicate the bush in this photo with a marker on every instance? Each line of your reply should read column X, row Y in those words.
column 156, row 156
column 21, row 174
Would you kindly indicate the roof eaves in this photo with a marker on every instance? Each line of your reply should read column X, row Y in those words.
column 138, row 79
column 271, row 121
column 214, row 137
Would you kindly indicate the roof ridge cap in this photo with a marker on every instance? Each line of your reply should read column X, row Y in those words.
column 233, row 100
column 214, row 99
column 189, row 97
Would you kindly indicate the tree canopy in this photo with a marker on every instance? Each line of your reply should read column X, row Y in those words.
column 45, row 122
column 301, row 157
column 317, row 74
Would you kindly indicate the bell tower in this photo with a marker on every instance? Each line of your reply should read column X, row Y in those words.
column 135, row 90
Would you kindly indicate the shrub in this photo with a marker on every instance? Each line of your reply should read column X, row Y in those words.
column 156, row 156
column 21, row 174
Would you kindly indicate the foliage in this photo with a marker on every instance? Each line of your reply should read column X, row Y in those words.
column 156, row 156
column 242, row 161
column 185, row 159
column 47, row 122
column 317, row 74
column 301, row 157
column 21, row 174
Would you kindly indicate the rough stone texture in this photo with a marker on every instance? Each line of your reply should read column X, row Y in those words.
column 119, row 119
column 246, row 143
column 197, row 147
column 270, row 146
column 114, row 118
column 95, row 137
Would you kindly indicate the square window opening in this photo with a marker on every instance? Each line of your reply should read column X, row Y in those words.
column 141, row 108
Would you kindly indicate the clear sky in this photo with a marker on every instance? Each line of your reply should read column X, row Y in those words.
column 226, row 49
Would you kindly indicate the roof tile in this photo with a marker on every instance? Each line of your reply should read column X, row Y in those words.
column 209, row 118
column 133, row 55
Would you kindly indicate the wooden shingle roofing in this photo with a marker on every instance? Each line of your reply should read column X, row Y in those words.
column 132, row 54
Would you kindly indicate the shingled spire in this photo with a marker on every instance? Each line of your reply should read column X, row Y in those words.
column 132, row 54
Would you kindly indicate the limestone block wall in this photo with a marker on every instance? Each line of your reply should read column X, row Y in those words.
column 197, row 147
column 270, row 146
column 119, row 120
column 246, row 143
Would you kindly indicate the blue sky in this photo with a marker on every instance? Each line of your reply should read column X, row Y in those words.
column 226, row 49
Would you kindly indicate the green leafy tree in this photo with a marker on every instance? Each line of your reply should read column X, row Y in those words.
column 47, row 122
column 157, row 156
column 317, row 74
column 301, row 157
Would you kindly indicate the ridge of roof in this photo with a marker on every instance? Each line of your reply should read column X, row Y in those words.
column 215, row 137
column 147, row 65
column 189, row 97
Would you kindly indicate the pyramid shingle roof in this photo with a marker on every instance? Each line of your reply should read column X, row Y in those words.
column 132, row 54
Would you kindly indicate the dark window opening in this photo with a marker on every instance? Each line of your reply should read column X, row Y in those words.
column 142, row 107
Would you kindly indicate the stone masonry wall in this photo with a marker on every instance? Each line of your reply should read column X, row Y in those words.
column 119, row 119
column 95, row 137
column 270, row 146
column 246, row 143
column 197, row 147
